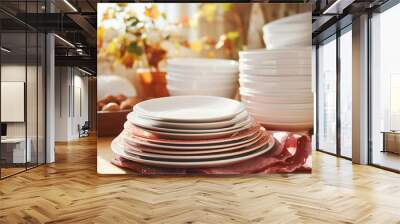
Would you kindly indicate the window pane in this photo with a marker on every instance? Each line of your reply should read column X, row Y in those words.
column 386, row 89
column 327, row 97
column 346, row 94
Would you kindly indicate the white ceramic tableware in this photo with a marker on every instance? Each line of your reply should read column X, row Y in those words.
column 190, row 108
column 203, row 63
column 218, row 92
column 141, row 122
column 192, row 164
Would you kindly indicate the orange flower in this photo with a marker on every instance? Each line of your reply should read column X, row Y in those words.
column 185, row 22
column 152, row 12
column 100, row 33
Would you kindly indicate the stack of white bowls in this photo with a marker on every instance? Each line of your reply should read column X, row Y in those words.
column 288, row 32
column 275, row 86
column 200, row 76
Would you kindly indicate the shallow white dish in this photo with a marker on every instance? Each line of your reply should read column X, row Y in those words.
column 174, row 164
column 190, row 108
column 203, row 63
column 276, row 62
column 200, row 149
column 203, row 125
column 141, row 122
column 199, row 136
column 305, row 115
column 209, row 76
column 218, row 92
column 190, row 72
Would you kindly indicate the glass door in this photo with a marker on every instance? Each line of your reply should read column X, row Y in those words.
column 326, row 60
column 385, row 89
column 345, row 92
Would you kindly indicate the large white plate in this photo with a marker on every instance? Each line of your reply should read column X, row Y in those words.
column 141, row 122
column 174, row 164
column 135, row 150
column 190, row 108
column 195, row 136
column 276, row 86
column 275, row 99
column 288, row 126
column 199, row 149
column 140, row 134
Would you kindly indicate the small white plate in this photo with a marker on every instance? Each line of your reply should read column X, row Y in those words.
column 201, row 164
column 199, row 126
column 141, row 122
column 190, row 108
column 194, row 136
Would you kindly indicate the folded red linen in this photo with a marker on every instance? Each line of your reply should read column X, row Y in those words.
column 291, row 153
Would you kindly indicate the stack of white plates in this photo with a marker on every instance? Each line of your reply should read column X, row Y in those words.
column 190, row 132
column 199, row 76
column 288, row 32
column 275, row 87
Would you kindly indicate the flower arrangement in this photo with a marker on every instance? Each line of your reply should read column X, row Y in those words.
column 148, row 39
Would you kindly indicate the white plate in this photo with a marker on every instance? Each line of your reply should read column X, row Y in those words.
column 140, row 134
column 196, row 136
column 142, row 122
column 135, row 150
column 202, row 73
column 214, row 163
column 275, row 72
column 190, row 108
column 280, row 106
column 306, row 114
column 202, row 63
column 282, row 119
column 199, row 149
column 246, row 61
column 211, row 125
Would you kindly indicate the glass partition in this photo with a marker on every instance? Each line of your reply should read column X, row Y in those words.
column 327, row 96
column 346, row 93
column 22, row 76
column 385, row 89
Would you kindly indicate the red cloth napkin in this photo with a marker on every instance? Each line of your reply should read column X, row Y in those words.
column 289, row 154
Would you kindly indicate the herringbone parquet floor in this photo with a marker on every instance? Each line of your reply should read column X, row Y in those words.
column 70, row 191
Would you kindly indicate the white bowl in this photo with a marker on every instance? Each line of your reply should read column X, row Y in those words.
column 293, row 94
column 276, row 54
column 206, row 64
column 201, row 72
column 199, row 83
column 287, row 119
column 276, row 99
column 274, row 78
column 275, row 71
column 198, row 76
column 306, row 115
column 275, row 62
column 222, row 92
column 276, row 86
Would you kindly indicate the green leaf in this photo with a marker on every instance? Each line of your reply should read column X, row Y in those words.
column 164, row 15
column 135, row 49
